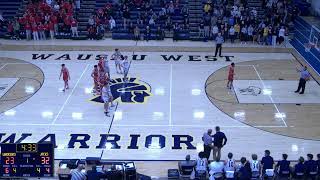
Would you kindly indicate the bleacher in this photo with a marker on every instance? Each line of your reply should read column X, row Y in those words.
column 121, row 33
column 8, row 10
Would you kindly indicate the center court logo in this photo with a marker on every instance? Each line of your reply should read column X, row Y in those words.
column 133, row 91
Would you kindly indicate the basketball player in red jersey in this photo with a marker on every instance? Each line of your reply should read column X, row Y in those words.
column 65, row 76
column 101, row 63
column 95, row 76
column 230, row 76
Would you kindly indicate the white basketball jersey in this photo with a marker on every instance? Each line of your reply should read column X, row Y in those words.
column 201, row 164
column 230, row 165
column 255, row 165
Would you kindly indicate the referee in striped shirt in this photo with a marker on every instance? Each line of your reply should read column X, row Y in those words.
column 77, row 174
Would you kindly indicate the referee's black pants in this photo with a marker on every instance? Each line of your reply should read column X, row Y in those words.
column 218, row 48
column 207, row 151
column 302, row 85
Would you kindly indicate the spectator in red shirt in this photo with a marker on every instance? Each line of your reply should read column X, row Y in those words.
column 28, row 31
column 35, row 32
column 10, row 29
column 54, row 21
column 74, row 27
column 41, row 31
column 51, row 29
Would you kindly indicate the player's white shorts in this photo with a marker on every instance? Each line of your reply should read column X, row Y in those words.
column 105, row 99
column 117, row 62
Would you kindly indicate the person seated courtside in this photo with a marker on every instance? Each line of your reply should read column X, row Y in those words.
column 230, row 167
column 255, row 167
column 94, row 174
column 216, row 169
column 201, row 166
column 318, row 164
column 283, row 168
column 299, row 169
column 311, row 167
column 267, row 165
column 114, row 174
column 244, row 170
column 186, row 167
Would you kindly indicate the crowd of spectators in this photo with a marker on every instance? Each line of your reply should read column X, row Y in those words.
column 140, row 18
column 239, row 22
column 252, row 168
column 43, row 19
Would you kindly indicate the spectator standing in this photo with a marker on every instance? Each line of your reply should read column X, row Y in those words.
column 318, row 163
column 112, row 23
column 244, row 34
column 28, row 31
column 215, row 31
column 35, row 33
column 74, row 28
column 250, row 33
column 16, row 29
column 201, row 29
column 219, row 41
column 148, row 33
column 237, row 30
column 207, row 143
column 77, row 174
column 220, row 140
column 281, row 35
column 136, row 33
column 283, row 167
column 92, row 33
column 78, row 4
column 232, row 34
column 160, row 33
column 10, row 29
column 51, row 29
column 41, row 32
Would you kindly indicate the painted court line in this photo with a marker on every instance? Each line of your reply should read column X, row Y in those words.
column 170, row 98
column 275, row 106
column 67, row 100
column 135, row 125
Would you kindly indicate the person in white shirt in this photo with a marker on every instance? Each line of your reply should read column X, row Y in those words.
column 230, row 167
column 116, row 56
column 215, row 31
column 112, row 23
column 202, row 164
column 78, row 174
column 232, row 34
column 255, row 166
column 107, row 98
column 244, row 34
column 125, row 66
column 216, row 169
column 281, row 35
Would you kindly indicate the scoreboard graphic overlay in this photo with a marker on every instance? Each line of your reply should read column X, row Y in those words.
column 27, row 160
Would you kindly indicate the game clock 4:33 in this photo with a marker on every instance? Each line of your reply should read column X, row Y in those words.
column 27, row 160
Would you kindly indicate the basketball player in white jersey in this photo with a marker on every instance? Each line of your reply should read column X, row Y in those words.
column 116, row 56
column 125, row 66
column 202, row 164
column 255, row 166
column 230, row 167
column 106, row 97
column 107, row 67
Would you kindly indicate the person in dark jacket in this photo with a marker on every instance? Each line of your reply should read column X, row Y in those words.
column 283, row 167
column 94, row 174
column 244, row 172
column 311, row 167
column 299, row 169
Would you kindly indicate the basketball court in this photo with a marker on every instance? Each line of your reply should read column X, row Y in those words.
column 173, row 96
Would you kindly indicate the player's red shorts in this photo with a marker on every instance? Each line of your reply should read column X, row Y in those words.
column 230, row 78
column 65, row 78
